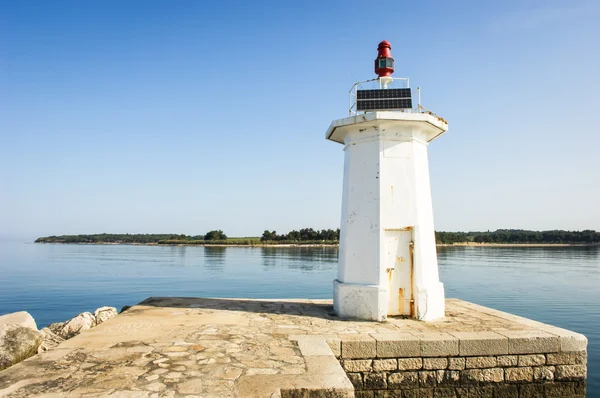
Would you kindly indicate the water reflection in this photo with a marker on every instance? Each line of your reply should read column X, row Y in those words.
column 525, row 253
column 176, row 256
column 302, row 258
column 178, row 251
column 214, row 257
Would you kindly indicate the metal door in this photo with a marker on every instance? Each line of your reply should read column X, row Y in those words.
column 399, row 270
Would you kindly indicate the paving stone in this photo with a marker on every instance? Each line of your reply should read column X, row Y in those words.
column 364, row 394
column 314, row 347
column 358, row 346
column 176, row 354
column 532, row 360
column 580, row 387
column 518, row 375
column 384, row 364
column 567, row 358
column 403, row 380
column 375, row 380
column 448, row 378
column 389, row 394
column 531, row 342
column 506, row 391
column 426, row 393
column 156, row 386
column 569, row 341
column 507, row 360
column 357, row 365
column 543, row 373
column 427, row 378
column 481, row 392
column 438, row 345
column 481, row 343
column 456, row 363
column 462, row 392
column 397, row 345
column 481, row 362
column 409, row 393
column 435, row 363
column 477, row 376
column 444, row 393
column 570, row 372
column 261, row 371
column 410, row 363
column 176, row 348
column 559, row 390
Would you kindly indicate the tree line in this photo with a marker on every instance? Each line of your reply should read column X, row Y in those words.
column 216, row 235
column 331, row 236
column 303, row 235
column 520, row 236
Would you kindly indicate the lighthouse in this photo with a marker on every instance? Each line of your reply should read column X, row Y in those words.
column 387, row 257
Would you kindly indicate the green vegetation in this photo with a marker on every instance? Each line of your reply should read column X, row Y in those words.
column 212, row 237
column 304, row 235
column 308, row 236
column 520, row 236
column 121, row 238
column 215, row 235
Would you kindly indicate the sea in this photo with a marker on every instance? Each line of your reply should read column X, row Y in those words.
column 55, row 282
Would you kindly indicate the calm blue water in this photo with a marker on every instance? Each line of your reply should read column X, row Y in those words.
column 560, row 286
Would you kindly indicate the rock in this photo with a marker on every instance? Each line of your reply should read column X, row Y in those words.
column 50, row 341
column 73, row 327
column 103, row 314
column 56, row 327
column 125, row 308
column 21, row 318
column 17, row 343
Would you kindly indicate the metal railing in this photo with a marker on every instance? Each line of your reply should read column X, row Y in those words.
column 403, row 82
column 395, row 82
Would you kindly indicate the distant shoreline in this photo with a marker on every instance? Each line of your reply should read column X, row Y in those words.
column 462, row 244
column 473, row 244
column 197, row 244
column 308, row 237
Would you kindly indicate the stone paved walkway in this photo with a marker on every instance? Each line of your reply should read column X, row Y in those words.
column 176, row 347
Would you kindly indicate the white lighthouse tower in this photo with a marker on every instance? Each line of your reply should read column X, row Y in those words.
column 387, row 261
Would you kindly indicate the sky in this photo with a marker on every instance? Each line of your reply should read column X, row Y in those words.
column 189, row 116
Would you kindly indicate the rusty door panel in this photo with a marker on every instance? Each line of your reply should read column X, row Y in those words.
column 398, row 268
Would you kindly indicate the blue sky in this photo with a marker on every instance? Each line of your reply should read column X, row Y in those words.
column 187, row 116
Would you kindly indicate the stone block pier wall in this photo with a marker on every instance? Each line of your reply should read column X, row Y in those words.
column 516, row 375
column 523, row 358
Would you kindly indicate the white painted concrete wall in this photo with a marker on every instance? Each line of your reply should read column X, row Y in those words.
column 386, row 187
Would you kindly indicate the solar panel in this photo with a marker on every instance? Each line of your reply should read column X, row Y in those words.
column 383, row 93
column 400, row 103
column 393, row 98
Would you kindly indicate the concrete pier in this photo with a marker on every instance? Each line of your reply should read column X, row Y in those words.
column 192, row 347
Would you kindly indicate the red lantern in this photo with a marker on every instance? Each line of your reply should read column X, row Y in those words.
column 384, row 63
